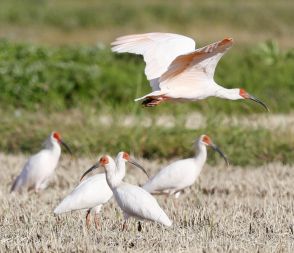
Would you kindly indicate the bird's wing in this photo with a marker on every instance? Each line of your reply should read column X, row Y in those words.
column 158, row 49
column 33, row 172
column 89, row 193
column 169, row 177
column 16, row 184
column 137, row 202
column 22, row 179
column 198, row 65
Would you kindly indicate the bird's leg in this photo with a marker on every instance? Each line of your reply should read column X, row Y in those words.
column 175, row 200
column 37, row 191
column 96, row 220
column 125, row 226
column 176, row 204
column 177, row 194
column 165, row 199
column 139, row 226
column 166, row 195
column 88, row 218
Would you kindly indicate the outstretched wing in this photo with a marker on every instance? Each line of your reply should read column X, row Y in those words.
column 198, row 65
column 158, row 49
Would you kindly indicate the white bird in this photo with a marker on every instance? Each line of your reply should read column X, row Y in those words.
column 38, row 170
column 181, row 174
column 176, row 70
column 132, row 199
column 93, row 192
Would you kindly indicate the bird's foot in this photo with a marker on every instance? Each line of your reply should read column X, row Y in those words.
column 149, row 102
column 154, row 101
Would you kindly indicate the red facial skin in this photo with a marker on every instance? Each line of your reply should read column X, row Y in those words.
column 57, row 137
column 243, row 94
column 126, row 156
column 206, row 139
column 104, row 160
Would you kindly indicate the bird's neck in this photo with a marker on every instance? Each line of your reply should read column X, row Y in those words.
column 232, row 94
column 113, row 178
column 54, row 147
column 202, row 155
column 121, row 169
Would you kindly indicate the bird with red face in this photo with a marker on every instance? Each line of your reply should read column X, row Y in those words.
column 133, row 200
column 93, row 192
column 176, row 70
column 40, row 167
column 181, row 174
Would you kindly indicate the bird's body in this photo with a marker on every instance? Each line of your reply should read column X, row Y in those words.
column 133, row 200
column 180, row 174
column 176, row 70
column 91, row 194
column 39, row 168
column 37, row 171
column 138, row 203
column 175, row 177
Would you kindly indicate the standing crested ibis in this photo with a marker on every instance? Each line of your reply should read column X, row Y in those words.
column 132, row 199
column 181, row 174
column 92, row 193
column 176, row 70
column 40, row 167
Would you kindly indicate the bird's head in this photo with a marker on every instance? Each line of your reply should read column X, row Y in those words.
column 206, row 140
column 124, row 156
column 245, row 95
column 105, row 161
column 56, row 137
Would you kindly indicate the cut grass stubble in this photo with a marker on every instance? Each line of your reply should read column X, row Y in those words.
column 228, row 209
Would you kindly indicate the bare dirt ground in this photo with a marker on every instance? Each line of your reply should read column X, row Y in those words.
column 228, row 210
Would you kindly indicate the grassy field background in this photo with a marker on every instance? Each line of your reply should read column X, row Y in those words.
column 43, row 85
column 57, row 73
column 60, row 22
column 228, row 210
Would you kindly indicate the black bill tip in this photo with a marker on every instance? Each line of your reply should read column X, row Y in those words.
column 255, row 99
column 138, row 166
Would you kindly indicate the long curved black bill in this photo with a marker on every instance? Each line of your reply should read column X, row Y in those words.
column 255, row 99
column 66, row 146
column 216, row 148
column 95, row 166
column 139, row 166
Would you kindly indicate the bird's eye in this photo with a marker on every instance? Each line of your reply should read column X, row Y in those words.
column 126, row 156
column 56, row 136
column 104, row 160
column 206, row 139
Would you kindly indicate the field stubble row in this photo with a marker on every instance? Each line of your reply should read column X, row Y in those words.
column 231, row 208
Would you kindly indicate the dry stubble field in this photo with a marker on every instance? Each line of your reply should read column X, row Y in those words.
column 229, row 209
